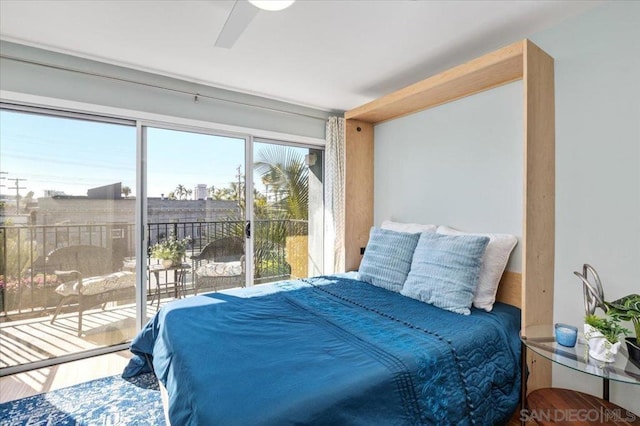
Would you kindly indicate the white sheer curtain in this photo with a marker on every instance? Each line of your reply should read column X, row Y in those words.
column 334, row 190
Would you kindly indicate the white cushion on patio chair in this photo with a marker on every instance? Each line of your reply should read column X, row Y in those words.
column 220, row 269
column 97, row 285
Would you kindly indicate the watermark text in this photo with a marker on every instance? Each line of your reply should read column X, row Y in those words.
column 596, row 415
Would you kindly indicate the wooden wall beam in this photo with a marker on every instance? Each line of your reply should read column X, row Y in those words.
column 486, row 72
column 358, row 190
column 539, row 201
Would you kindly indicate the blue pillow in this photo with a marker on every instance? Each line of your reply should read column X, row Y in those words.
column 445, row 269
column 387, row 259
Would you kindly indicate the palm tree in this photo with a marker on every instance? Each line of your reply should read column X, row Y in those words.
column 283, row 169
column 284, row 172
column 182, row 192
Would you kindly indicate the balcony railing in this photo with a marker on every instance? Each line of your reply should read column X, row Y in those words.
column 27, row 283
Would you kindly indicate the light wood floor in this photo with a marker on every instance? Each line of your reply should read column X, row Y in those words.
column 60, row 376
column 36, row 339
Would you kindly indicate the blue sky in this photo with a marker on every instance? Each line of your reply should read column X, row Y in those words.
column 75, row 155
column 189, row 159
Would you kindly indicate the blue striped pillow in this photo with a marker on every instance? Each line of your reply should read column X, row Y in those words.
column 445, row 270
column 387, row 259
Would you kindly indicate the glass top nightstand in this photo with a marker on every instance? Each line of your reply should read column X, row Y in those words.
column 540, row 339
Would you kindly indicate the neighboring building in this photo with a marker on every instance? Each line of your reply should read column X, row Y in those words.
column 14, row 219
column 48, row 193
column 83, row 210
column 104, row 205
column 200, row 192
column 107, row 192
column 105, row 218
column 12, row 213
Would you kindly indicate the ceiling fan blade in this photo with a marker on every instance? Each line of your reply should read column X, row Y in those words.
column 239, row 18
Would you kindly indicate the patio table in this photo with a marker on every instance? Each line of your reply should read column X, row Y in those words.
column 179, row 272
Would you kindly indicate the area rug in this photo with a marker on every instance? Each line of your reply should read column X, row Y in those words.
column 108, row 401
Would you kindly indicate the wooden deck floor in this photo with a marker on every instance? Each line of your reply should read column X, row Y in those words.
column 60, row 376
column 37, row 339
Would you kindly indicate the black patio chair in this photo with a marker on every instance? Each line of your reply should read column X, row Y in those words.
column 220, row 265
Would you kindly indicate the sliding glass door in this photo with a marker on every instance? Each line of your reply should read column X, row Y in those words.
column 287, row 211
column 195, row 214
column 197, row 198
column 103, row 221
column 67, row 209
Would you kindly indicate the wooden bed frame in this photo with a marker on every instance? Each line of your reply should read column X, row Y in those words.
column 532, row 290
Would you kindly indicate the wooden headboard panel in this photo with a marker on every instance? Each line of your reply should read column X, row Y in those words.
column 532, row 290
column 510, row 289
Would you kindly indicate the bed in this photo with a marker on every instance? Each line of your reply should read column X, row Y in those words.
column 335, row 350
column 524, row 61
column 330, row 350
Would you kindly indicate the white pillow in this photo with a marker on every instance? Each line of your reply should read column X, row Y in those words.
column 411, row 228
column 494, row 260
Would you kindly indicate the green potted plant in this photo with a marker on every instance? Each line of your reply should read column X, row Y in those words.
column 602, row 336
column 628, row 309
column 171, row 250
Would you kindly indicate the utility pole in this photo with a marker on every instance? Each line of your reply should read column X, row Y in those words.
column 1, row 200
column 17, row 187
column 239, row 182
column 3, row 178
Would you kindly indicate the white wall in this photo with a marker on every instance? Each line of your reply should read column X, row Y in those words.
column 459, row 164
column 597, row 80
column 597, row 76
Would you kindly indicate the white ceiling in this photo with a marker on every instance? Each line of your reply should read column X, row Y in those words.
column 332, row 55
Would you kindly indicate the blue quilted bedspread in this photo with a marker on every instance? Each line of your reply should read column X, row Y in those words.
column 330, row 350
